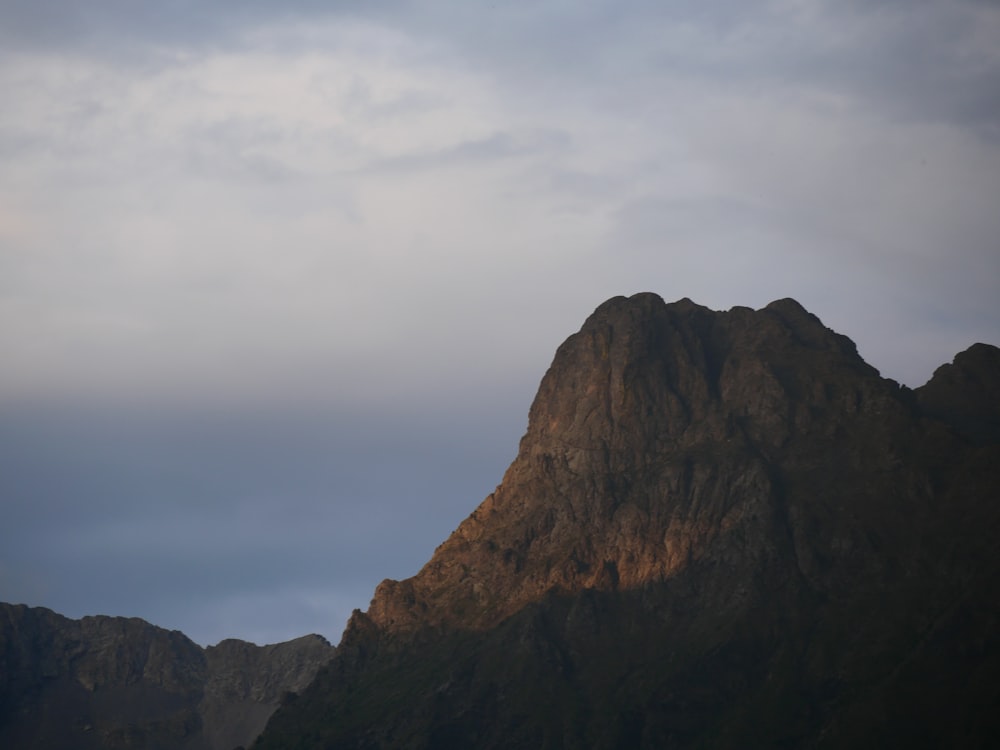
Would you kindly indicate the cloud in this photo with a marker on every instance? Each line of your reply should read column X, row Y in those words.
column 252, row 214
column 493, row 147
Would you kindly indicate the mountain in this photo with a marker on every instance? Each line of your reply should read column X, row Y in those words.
column 721, row 530
column 103, row 683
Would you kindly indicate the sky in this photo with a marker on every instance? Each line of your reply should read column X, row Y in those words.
column 278, row 281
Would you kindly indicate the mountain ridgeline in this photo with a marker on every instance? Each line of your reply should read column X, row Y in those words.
column 721, row 530
column 116, row 683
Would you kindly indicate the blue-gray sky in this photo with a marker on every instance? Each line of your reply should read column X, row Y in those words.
column 278, row 280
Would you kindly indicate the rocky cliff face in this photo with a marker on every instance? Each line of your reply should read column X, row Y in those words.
column 722, row 529
column 110, row 682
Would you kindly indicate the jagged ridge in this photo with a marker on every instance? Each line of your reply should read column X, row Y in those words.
column 114, row 682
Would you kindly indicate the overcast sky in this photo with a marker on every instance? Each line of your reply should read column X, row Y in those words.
column 278, row 280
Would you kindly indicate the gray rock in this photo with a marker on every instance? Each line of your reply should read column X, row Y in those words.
column 110, row 682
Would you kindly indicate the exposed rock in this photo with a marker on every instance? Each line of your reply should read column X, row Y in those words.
column 110, row 682
column 966, row 393
column 722, row 529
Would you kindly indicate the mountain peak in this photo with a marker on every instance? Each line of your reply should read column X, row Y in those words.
column 721, row 529
column 600, row 493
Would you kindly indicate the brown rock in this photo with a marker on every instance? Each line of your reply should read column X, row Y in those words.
column 721, row 529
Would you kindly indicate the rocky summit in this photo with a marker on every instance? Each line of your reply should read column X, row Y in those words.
column 721, row 530
column 115, row 683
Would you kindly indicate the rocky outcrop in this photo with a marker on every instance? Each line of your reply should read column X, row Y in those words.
column 722, row 529
column 112, row 682
column 966, row 393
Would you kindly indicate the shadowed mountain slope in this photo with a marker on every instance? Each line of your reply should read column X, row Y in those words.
column 103, row 683
column 722, row 529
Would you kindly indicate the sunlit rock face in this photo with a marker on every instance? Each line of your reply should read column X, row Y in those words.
column 112, row 682
column 721, row 529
